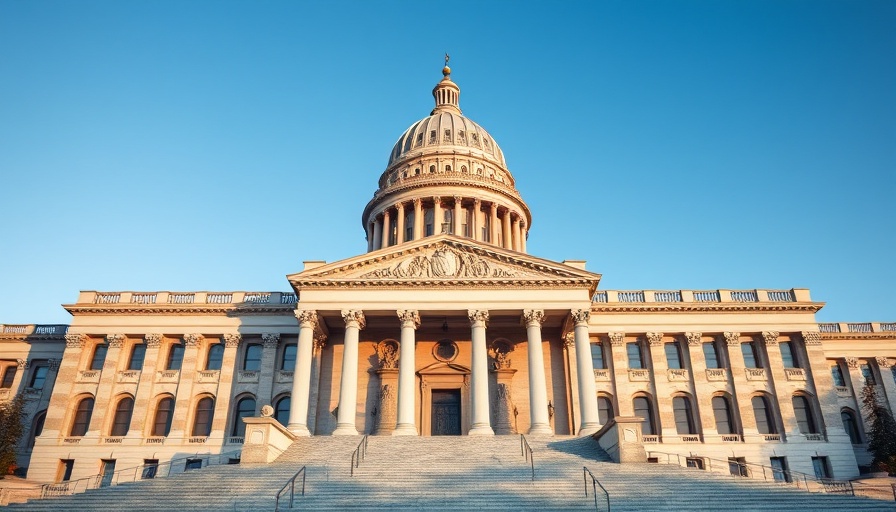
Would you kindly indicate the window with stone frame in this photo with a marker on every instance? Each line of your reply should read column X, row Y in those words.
column 751, row 354
column 635, row 360
column 9, row 373
column 684, row 417
column 288, row 359
column 851, row 425
column 711, row 353
column 428, row 222
column 81, row 418
column 805, row 417
column 673, row 355
column 98, row 357
column 789, row 355
column 281, row 410
column 765, row 419
column 121, row 422
column 39, row 371
column 175, row 357
column 245, row 408
column 203, row 416
column 867, row 373
column 138, row 354
column 252, row 357
column 644, row 410
column 597, row 356
column 604, row 410
column 837, row 374
column 215, row 357
column 721, row 410
column 161, row 426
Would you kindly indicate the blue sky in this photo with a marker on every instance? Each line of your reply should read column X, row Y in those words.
column 159, row 145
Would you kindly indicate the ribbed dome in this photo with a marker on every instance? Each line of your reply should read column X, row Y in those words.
column 446, row 132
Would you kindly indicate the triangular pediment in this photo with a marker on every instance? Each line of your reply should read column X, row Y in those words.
column 444, row 260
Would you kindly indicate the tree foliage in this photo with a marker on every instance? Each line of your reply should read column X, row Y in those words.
column 12, row 426
column 882, row 433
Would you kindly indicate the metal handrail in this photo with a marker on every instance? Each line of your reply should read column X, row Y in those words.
column 526, row 451
column 127, row 475
column 787, row 473
column 595, row 483
column 292, row 489
column 359, row 454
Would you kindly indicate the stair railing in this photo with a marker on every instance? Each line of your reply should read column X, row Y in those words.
column 359, row 454
column 137, row 473
column 595, row 483
column 526, row 451
column 291, row 484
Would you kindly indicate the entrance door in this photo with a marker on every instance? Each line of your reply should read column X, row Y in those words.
column 446, row 412
column 108, row 473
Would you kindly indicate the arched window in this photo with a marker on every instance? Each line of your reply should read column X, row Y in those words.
column 37, row 427
column 288, row 362
column 121, row 423
column 851, row 426
column 215, row 357
column 202, row 421
column 281, row 411
column 645, row 411
column 99, row 355
column 604, row 410
column 252, row 361
column 138, row 354
column 82, row 417
column 765, row 421
column 804, row 417
column 721, row 410
column 684, row 419
column 175, row 357
column 161, row 426
column 245, row 408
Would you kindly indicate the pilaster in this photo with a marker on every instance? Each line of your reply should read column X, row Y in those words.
column 183, row 400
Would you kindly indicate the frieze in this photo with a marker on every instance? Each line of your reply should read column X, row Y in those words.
column 445, row 262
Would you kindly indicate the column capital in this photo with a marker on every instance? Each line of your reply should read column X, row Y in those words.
column 354, row 316
column 477, row 202
column 852, row 362
column 192, row 339
column 436, row 200
column 399, row 206
column 533, row 317
column 655, row 339
column 418, row 202
column 306, row 317
column 580, row 316
column 883, row 361
column 616, row 338
column 494, row 207
column 54, row 363
column 152, row 340
column 232, row 339
column 115, row 340
column 569, row 339
column 458, row 200
column 478, row 317
column 75, row 340
column 270, row 339
column 320, row 341
column 693, row 338
column 21, row 364
column 409, row 318
column 732, row 338
column 811, row 337
column 770, row 337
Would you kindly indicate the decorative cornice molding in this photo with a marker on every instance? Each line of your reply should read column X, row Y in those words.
column 732, row 338
column 192, row 339
column 232, row 339
column 694, row 338
column 533, row 317
column 152, row 340
column 270, row 339
column 889, row 335
column 580, row 316
column 115, row 340
column 409, row 318
column 770, row 337
column 235, row 310
column 616, row 338
column 655, row 339
column 354, row 316
column 478, row 317
column 75, row 340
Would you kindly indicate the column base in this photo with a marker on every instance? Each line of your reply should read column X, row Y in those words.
column 541, row 430
column 481, row 430
column 345, row 430
column 406, row 429
column 588, row 429
column 299, row 429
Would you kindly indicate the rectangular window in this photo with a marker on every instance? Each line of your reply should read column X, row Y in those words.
column 597, row 356
column 787, row 355
column 175, row 357
column 289, row 358
column 750, row 357
column 252, row 361
column 822, row 467
column 65, row 470
column 150, row 467
column 634, row 355
column 673, row 355
column 38, row 374
column 138, row 353
column 868, row 374
column 99, row 356
column 9, row 375
column 737, row 466
column 779, row 469
column 837, row 375
column 712, row 355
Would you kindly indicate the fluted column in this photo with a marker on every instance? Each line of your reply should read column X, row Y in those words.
column 437, row 216
column 479, row 380
column 399, row 222
column 493, row 224
column 476, row 232
column 377, row 234
column 387, row 229
column 516, row 233
column 539, row 420
column 301, row 382
column 457, row 215
column 589, row 421
column 405, row 424
column 418, row 218
column 508, row 234
column 348, row 384
column 523, row 234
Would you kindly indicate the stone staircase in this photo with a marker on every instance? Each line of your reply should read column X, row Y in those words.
column 453, row 473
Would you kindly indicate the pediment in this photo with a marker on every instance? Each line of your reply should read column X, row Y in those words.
column 444, row 260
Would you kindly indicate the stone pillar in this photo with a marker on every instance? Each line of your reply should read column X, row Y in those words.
column 474, row 220
column 778, row 380
column 504, row 424
column 742, row 388
column 539, row 420
column 523, row 235
column 623, row 387
column 516, row 233
column 142, row 401
column 458, row 217
column 377, row 234
column 101, row 406
column 569, row 352
column 184, row 397
column 387, row 229
column 660, row 369
column 62, row 389
column 301, row 382
column 320, row 343
column 888, row 383
column 370, row 229
column 508, row 234
column 590, row 422
column 437, row 216
column 267, row 371
column 418, row 218
column 348, row 385
column 481, row 417
column 493, row 224
column 405, row 425
column 703, row 390
column 386, row 414
column 399, row 222
column 225, row 385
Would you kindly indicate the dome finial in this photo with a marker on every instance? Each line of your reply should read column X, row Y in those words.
column 446, row 71
column 446, row 92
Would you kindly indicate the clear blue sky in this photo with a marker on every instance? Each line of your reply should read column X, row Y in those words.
column 156, row 145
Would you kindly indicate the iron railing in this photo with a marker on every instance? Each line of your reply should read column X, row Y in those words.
column 291, row 484
column 359, row 454
column 595, row 483
column 526, row 451
column 137, row 473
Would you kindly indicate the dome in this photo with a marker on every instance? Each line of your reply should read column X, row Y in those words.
column 446, row 132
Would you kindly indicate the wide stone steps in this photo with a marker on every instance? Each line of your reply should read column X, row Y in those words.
column 453, row 473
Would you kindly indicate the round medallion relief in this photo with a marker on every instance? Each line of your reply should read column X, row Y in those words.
column 445, row 350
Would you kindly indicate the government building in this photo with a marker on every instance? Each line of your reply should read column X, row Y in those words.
column 446, row 326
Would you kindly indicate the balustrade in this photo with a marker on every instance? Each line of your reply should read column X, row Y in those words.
column 599, row 297
column 181, row 298
column 288, row 298
column 744, row 296
column 208, row 376
column 108, row 298
column 197, row 440
column 154, row 440
column 668, row 296
column 15, row 329
column 862, row 327
column 632, row 296
column 143, row 298
column 888, row 327
column 829, row 327
column 689, row 439
column 707, row 296
column 219, row 298
column 169, row 376
column 257, row 298
column 50, row 329
column 780, row 296
column 111, row 440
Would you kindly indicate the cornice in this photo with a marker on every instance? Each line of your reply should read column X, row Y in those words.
column 736, row 307
column 28, row 338
column 180, row 309
column 858, row 335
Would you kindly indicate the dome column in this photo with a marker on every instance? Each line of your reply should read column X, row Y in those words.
column 377, row 234
column 516, row 233
column 474, row 220
column 399, row 222
column 457, row 215
column 437, row 215
column 418, row 218
column 508, row 235
column 493, row 225
column 386, row 229
column 370, row 231
column 523, row 234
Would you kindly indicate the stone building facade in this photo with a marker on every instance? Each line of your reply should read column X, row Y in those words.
column 446, row 326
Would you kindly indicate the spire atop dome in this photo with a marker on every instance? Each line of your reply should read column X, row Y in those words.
column 446, row 92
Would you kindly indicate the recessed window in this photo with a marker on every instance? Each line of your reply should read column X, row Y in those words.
column 673, row 355
column 252, row 361
column 281, row 411
column 645, row 412
column 447, row 168
column 288, row 362
column 121, row 423
column 138, row 354
column 868, row 374
column 633, row 349
column 597, row 356
column 447, row 135
column 432, row 137
column 175, row 357
column 202, row 421
column 722, row 413
column 215, row 357
column 710, row 351
column 804, row 417
column 82, row 417
column 751, row 357
column 851, row 426
column 763, row 413
column 419, row 139
column 245, row 408
column 99, row 355
column 837, row 375
column 164, row 413
column 9, row 375
column 39, row 374
column 604, row 410
column 684, row 419
column 787, row 355
column 461, row 136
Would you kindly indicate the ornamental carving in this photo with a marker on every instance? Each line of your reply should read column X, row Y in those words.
column 852, row 362
column 153, row 340
column 616, row 338
column 533, row 317
column 21, row 364
column 770, row 337
column 812, row 337
column 319, row 341
column 306, row 317
column 115, row 340
column 477, row 317
column 502, row 361
column 409, row 318
column 354, row 316
column 655, row 339
column 192, row 339
column 732, row 338
column 270, row 339
column 444, row 262
column 232, row 339
column 580, row 316
column 569, row 339
column 387, row 352
column 882, row 361
column 75, row 340
column 693, row 338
